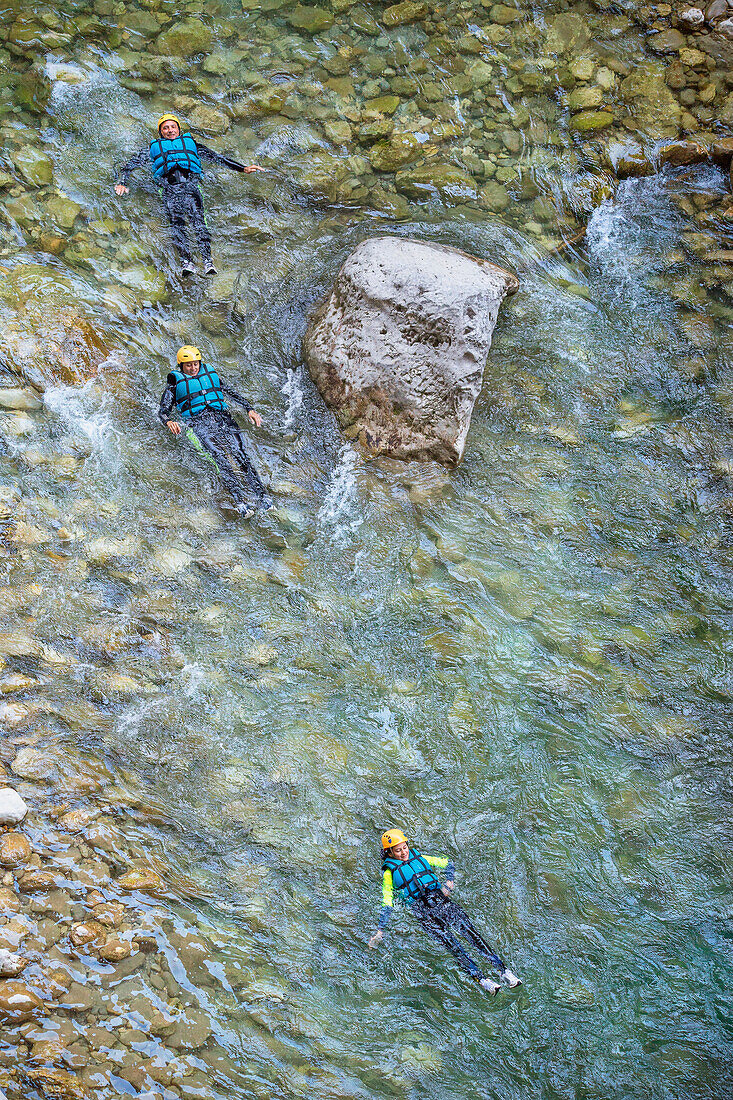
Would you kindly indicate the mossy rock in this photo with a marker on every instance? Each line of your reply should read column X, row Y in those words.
column 63, row 211
column 34, row 166
column 385, row 104
column 568, row 33
column 310, row 20
column 453, row 185
column 185, row 39
column 33, row 91
column 409, row 11
column 654, row 108
column 504, row 14
column 591, row 121
column 399, row 150
column 587, row 98
column 494, row 197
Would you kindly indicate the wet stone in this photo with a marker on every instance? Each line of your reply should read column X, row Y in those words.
column 18, row 1002
column 12, row 807
column 15, row 850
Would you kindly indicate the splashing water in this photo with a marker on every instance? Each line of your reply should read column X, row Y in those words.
column 339, row 513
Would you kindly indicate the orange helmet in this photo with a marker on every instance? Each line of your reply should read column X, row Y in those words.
column 392, row 837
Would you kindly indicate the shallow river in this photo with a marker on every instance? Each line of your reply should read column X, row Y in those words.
column 525, row 663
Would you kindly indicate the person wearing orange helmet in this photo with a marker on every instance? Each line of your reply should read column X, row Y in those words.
column 413, row 876
column 175, row 161
column 195, row 392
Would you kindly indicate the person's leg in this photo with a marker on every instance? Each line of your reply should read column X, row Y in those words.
column 459, row 919
column 176, row 217
column 238, row 446
column 213, row 439
column 198, row 220
column 443, row 934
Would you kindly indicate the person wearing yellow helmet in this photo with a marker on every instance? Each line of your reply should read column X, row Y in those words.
column 175, row 159
column 195, row 392
column 413, row 877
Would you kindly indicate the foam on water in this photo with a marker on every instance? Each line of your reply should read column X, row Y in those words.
column 340, row 514
column 292, row 388
column 86, row 412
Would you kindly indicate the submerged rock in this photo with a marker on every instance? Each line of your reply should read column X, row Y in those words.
column 18, row 1003
column 398, row 349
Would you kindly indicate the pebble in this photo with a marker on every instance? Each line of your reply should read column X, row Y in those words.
column 12, row 807
column 85, row 932
column 141, row 880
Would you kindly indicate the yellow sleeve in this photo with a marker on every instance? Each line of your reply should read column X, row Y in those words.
column 387, row 888
column 437, row 861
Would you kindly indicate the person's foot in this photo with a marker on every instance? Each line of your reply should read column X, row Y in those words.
column 188, row 269
column 511, row 979
column 246, row 511
column 209, row 268
column 489, row 986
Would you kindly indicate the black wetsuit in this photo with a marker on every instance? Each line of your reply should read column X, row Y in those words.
column 182, row 198
column 442, row 920
column 219, row 435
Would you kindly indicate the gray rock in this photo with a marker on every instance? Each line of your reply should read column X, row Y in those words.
column 693, row 17
column 12, row 807
column 398, row 349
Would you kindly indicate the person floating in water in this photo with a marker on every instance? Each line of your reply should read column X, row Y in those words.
column 196, row 393
column 412, row 876
column 175, row 161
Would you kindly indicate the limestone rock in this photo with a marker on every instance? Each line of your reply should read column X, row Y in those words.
column 12, row 807
column 399, row 347
column 17, row 1002
column 20, row 400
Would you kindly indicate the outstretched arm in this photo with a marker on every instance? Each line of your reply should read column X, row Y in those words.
column 253, row 416
column 216, row 158
column 136, row 161
column 387, row 907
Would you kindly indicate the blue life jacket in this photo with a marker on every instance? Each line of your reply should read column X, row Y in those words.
column 202, row 391
column 179, row 152
column 413, row 877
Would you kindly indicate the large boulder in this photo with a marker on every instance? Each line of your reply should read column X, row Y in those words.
column 399, row 347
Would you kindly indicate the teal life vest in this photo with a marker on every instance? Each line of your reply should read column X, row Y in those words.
column 202, row 391
column 179, row 152
column 413, row 877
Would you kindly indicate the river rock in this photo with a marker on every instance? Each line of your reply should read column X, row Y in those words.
column 726, row 28
column 409, row 11
column 19, row 399
column 11, row 964
column 62, row 347
column 12, row 807
column 655, row 110
column 692, row 18
column 398, row 150
column 15, row 850
column 17, row 1002
column 398, row 349
column 682, row 152
column 185, row 39
column 54, row 1084
column 34, row 166
column 310, row 19
column 30, row 763
column 141, row 879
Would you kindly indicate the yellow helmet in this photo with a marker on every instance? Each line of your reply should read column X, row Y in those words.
column 188, row 354
column 392, row 837
column 168, row 118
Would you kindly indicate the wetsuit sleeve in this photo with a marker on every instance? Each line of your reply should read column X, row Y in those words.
column 440, row 863
column 387, row 899
column 136, row 161
column 165, row 412
column 237, row 397
column 216, row 158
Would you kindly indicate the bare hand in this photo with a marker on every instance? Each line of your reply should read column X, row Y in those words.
column 254, row 168
column 448, row 886
column 120, row 189
column 255, row 418
column 376, row 938
column 174, row 426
